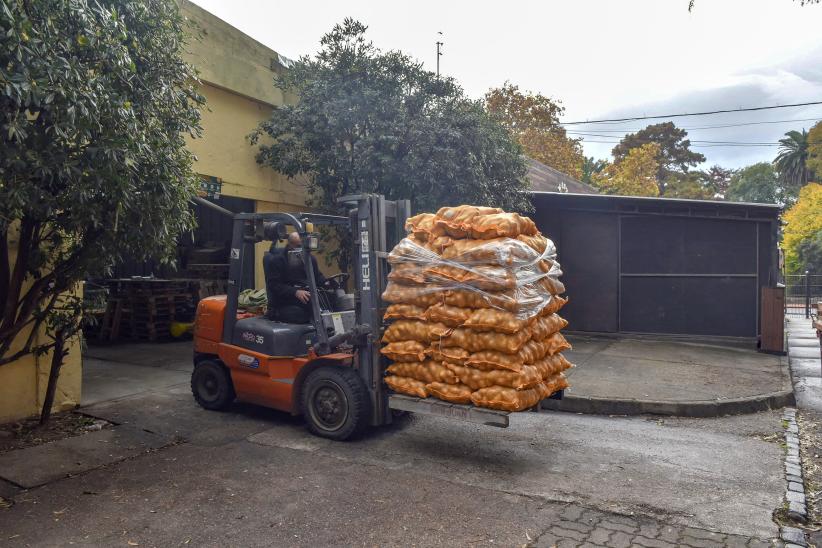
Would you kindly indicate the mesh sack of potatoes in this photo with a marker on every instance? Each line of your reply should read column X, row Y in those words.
column 407, row 385
column 428, row 371
column 510, row 399
column 475, row 291
column 401, row 311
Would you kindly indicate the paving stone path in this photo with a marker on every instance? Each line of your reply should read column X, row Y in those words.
column 582, row 527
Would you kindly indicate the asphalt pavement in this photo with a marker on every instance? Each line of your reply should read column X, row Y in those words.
column 255, row 477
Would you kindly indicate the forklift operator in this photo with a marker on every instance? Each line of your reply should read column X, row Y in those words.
column 289, row 300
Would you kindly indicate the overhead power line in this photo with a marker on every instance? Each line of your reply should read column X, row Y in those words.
column 695, row 128
column 680, row 115
column 692, row 141
column 700, row 145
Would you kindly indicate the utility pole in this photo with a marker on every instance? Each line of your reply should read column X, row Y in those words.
column 439, row 53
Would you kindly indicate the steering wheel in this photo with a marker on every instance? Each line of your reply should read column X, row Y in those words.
column 337, row 281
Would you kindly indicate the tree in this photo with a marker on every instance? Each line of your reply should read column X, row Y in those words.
column 533, row 120
column 590, row 167
column 719, row 181
column 791, row 162
column 809, row 254
column 633, row 175
column 814, row 161
column 803, row 222
column 675, row 154
column 95, row 101
column 693, row 185
column 369, row 121
column 756, row 183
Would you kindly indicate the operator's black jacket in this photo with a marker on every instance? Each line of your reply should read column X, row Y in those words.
column 283, row 277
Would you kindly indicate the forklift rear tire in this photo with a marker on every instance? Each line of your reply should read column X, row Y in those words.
column 211, row 385
column 335, row 403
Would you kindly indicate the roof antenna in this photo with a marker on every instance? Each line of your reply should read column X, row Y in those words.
column 439, row 53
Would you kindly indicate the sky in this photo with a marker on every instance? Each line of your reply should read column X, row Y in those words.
column 600, row 58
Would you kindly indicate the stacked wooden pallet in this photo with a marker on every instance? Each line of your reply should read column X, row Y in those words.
column 143, row 309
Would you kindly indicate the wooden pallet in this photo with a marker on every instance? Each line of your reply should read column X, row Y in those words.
column 144, row 309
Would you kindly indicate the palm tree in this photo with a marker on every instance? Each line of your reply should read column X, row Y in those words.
column 791, row 162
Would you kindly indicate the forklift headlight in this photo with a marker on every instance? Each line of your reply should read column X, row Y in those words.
column 313, row 241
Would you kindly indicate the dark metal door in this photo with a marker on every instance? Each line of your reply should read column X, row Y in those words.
column 688, row 276
column 588, row 254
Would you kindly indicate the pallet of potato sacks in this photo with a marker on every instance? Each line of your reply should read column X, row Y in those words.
column 474, row 294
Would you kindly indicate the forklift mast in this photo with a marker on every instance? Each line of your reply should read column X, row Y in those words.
column 377, row 225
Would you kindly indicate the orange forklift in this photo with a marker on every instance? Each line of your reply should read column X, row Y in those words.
column 330, row 370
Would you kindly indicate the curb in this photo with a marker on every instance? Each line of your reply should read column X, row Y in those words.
column 795, row 491
column 702, row 408
column 596, row 405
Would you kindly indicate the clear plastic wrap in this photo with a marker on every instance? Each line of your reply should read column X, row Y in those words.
column 502, row 273
column 506, row 252
column 452, row 316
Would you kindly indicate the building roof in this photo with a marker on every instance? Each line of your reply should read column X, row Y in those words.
column 656, row 205
column 544, row 178
column 229, row 59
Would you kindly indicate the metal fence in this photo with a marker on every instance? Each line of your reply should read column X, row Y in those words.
column 802, row 292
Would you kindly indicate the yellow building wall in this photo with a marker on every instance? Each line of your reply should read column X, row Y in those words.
column 23, row 385
column 224, row 151
column 23, row 382
column 237, row 79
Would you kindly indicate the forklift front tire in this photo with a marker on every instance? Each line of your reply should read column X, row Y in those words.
column 335, row 403
column 211, row 385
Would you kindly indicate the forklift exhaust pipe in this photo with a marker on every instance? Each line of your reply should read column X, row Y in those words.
column 205, row 203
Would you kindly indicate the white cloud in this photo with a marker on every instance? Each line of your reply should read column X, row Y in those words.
column 600, row 57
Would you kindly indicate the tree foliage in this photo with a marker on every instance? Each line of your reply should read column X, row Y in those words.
column 791, row 161
column 809, row 254
column 633, row 175
column 814, row 161
column 95, row 101
column 803, row 222
column 533, row 119
column 718, row 180
column 756, row 183
column 692, row 185
column 373, row 121
column 675, row 154
column 590, row 167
